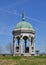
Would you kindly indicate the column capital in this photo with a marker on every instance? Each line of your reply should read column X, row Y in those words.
column 21, row 37
column 30, row 39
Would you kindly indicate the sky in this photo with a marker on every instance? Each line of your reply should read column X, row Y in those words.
column 35, row 14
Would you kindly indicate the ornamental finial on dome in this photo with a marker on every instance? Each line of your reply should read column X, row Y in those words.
column 23, row 17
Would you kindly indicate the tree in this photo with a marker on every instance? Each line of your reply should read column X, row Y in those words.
column 9, row 48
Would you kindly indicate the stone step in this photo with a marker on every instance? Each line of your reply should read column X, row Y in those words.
column 27, row 54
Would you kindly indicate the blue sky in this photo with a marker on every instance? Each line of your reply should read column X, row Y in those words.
column 35, row 13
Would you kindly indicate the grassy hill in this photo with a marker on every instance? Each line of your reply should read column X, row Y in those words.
column 20, row 60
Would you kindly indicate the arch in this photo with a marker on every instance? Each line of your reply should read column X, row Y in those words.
column 18, row 40
column 25, row 42
column 25, row 37
column 32, row 39
column 17, row 43
column 18, row 37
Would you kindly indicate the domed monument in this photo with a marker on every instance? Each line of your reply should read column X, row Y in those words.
column 23, row 39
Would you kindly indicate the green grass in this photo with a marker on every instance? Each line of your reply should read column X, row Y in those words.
column 21, row 60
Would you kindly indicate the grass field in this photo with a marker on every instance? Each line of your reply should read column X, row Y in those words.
column 20, row 60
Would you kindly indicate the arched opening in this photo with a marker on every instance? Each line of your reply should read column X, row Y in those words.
column 18, row 40
column 17, row 43
column 32, row 38
column 26, row 44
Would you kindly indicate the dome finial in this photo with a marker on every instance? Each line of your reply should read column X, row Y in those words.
column 23, row 17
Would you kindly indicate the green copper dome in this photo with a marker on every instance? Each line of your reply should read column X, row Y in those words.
column 24, row 24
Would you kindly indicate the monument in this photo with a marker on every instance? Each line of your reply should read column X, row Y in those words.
column 23, row 39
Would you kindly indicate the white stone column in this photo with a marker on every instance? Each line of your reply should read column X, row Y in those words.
column 30, row 45
column 14, row 46
column 21, row 47
column 33, row 45
column 24, row 47
column 34, row 48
